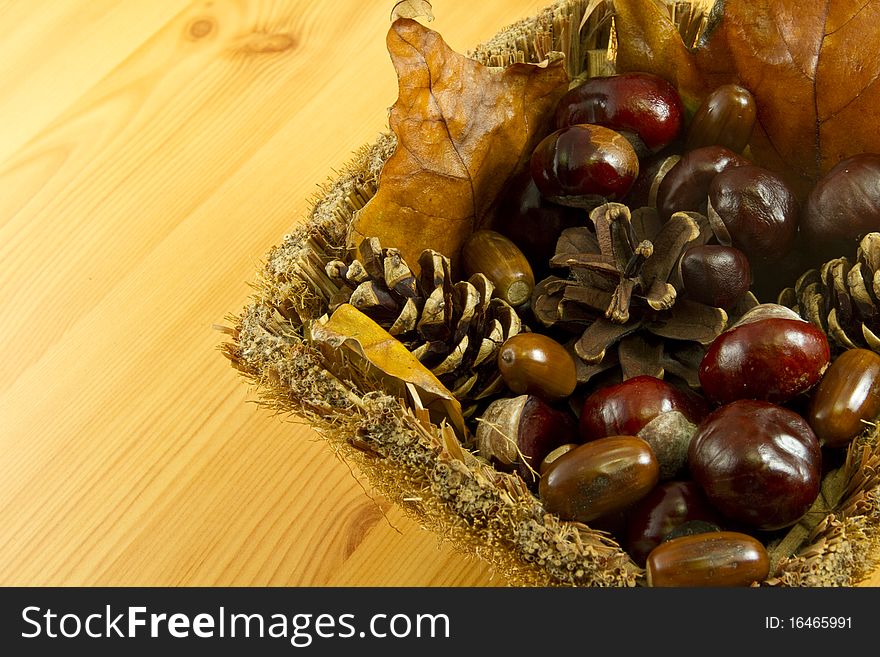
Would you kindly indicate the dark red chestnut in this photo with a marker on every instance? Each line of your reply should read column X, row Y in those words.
column 521, row 431
column 759, row 464
column 637, row 102
column 584, row 165
column 625, row 408
column 843, row 206
column 599, row 478
column 686, row 187
column 770, row 354
column 692, row 528
column 725, row 118
column 652, row 170
column 753, row 209
column 715, row 275
column 533, row 223
column 662, row 510
column 712, row 559
column 846, row 398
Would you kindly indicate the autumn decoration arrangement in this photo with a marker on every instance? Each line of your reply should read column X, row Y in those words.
column 602, row 306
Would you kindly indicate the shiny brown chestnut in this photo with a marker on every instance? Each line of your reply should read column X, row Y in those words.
column 496, row 257
column 714, row 274
column 584, row 165
column 771, row 354
column 599, row 478
column 637, row 102
column 726, row 117
column 652, row 170
column 625, row 408
column 846, row 398
column 520, row 431
column 712, row 559
column 686, row 187
column 666, row 507
column 843, row 206
column 533, row 223
column 536, row 364
column 759, row 464
column 753, row 209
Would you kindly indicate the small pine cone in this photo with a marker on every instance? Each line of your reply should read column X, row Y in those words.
column 620, row 300
column 454, row 328
column 842, row 297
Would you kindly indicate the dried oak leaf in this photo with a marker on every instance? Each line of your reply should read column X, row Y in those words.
column 357, row 348
column 463, row 130
column 811, row 66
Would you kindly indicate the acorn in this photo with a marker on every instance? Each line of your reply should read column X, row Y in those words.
column 847, row 398
column 555, row 454
column 536, row 364
column 708, row 559
column 490, row 253
column 599, row 478
column 726, row 118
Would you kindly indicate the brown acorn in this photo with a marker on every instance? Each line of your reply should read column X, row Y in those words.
column 847, row 398
column 709, row 559
column 536, row 364
column 725, row 118
column 490, row 253
column 599, row 478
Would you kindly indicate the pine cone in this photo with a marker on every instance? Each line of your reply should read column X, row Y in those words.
column 841, row 297
column 622, row 299
column 455, row 329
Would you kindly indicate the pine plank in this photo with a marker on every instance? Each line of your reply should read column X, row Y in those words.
column 150, row 154
column 147, row 163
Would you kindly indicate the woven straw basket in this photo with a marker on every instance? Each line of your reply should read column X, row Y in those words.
column 421, row 466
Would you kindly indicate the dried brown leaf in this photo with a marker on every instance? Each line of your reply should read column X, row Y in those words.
column 463, row 130
column 350, row 337
column 811, row 66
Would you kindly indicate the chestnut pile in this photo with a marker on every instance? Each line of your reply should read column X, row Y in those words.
column 693, row 481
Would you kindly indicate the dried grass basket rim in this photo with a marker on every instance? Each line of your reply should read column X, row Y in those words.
column 422, row 467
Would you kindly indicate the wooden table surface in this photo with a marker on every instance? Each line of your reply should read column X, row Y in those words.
column 151, row 153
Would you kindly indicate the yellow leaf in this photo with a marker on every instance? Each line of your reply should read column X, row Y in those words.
column 356, row 345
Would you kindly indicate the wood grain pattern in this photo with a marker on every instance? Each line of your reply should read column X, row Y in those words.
column 150, row 155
